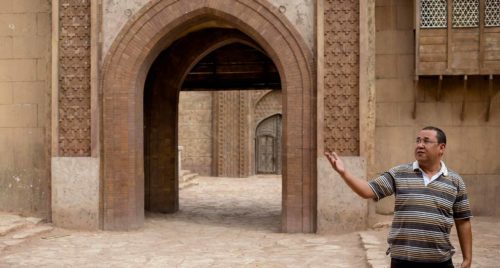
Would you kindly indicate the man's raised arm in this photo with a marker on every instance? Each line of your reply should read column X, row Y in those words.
column 359, row 186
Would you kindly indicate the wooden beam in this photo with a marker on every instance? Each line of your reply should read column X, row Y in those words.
column 440, row 86
column 490, row 95
column 462, row 113
column 415, row 92
column 417, row 36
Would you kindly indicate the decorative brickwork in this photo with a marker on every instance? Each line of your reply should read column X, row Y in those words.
column 232, row 128
column 74, row 78
column 342, row 76
column 267, row 105
column 244, row 107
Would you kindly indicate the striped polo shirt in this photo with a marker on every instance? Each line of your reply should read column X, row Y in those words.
column 423, row 215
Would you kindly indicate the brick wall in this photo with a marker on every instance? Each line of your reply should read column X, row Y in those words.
column 195, row 131
column 25, row 106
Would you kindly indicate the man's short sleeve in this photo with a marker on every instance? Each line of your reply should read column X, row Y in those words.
column 382, row 186
column 461, row 207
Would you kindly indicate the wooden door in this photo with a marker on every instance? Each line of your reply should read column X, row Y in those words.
column 268, row 146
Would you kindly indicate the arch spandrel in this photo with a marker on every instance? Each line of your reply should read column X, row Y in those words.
column 152, row 30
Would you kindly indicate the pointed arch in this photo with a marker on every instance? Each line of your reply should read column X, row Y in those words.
column 154, row 28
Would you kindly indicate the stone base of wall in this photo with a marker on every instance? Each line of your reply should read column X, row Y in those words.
column 340, row 210
column 75, row 192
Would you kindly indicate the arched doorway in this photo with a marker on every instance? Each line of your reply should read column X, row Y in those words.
column 190, row 64
column 151, row 31
column 268, row 146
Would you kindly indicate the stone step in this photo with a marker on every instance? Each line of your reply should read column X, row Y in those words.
column 22, row 235
column 33, row 220
column 31, row 232
column 188, row 184
column 375, row 248
column 187, row 175
column 10, row 228
column 15, row 230
column 10, row 223
column 184, row 172
column 188, row 179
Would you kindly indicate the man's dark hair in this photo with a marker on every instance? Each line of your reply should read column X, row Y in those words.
column 441, row 137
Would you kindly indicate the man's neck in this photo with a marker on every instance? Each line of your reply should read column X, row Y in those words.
column 430, row 168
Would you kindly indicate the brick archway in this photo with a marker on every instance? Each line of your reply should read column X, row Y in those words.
column 125, row 68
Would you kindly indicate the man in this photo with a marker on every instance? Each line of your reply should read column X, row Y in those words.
column 429, row 198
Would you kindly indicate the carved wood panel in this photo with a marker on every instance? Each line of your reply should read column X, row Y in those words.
column 266, row 154
column 341, row 120
column 74, row 78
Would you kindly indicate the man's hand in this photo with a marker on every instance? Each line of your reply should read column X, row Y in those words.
column 359, row 186
column 336, row 162
column 465, row 264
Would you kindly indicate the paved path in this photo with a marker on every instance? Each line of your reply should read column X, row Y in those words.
column 223, row 222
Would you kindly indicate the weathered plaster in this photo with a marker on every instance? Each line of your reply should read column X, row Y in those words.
column 117, row 12
column 301, row 14
column 75, row 192
column 340, row 210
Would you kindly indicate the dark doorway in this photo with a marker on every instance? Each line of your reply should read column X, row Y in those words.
column 212, row 59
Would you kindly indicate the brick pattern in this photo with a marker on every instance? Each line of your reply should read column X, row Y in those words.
column 74, row 78
column 232, row 127
column 196, row 131
column 227, row 124
column 341, row 131
column 243, row 112
column 268, row 105
column 243, row 121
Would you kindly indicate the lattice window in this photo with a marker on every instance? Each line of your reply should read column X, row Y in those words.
column 465, row 13
column 492, row 13
column 433, row 14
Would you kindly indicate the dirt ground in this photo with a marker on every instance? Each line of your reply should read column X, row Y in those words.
column 223, row 222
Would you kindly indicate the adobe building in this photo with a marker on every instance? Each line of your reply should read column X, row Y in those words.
column 103, row 102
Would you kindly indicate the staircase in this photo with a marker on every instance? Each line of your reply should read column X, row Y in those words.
column 15, row 230
column 187, row 179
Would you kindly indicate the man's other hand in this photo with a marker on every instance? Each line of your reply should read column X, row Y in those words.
column 336, row 162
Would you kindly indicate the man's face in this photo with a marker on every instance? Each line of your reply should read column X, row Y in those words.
column 427, row 148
